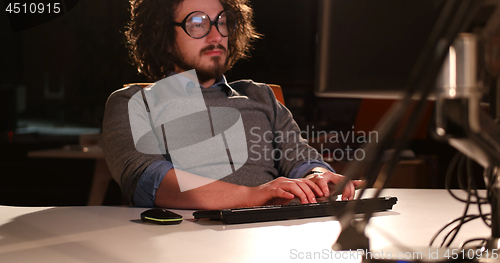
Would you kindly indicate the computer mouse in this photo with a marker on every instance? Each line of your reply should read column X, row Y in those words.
column 161, row 216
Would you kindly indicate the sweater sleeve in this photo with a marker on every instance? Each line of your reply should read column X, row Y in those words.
column 145, row 191
column 126, row 163
column 302, row 169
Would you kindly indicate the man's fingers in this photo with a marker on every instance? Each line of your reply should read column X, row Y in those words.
column 306, row 190
column 334, row 179
column 284, row 194
column 299, row 189
column 296, row 190
column 324, row 186
column 310, row 196
column 318, row 186
column 349, row 191
column 358, row 183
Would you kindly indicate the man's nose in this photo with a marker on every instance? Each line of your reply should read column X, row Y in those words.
column 214, row 36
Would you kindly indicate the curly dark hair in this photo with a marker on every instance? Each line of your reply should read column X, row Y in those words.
column 151, row 35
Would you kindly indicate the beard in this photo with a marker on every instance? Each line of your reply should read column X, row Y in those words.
column 203, row 72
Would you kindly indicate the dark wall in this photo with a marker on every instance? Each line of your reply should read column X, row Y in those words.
column 69, row 65
column 286, row 53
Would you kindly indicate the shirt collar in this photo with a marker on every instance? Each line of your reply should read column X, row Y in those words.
column 223, row 83
column 188, row 83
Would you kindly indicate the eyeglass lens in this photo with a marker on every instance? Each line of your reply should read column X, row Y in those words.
column 198, row 24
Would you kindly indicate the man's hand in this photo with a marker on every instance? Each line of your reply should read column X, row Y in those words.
column 322, row 180
column 282, row 190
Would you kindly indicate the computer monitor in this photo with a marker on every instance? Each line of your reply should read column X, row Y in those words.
column 367, row 49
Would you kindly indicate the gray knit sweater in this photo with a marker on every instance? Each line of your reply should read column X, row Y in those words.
column 269, row 129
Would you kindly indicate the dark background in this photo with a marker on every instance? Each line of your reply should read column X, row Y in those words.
column 58, row 74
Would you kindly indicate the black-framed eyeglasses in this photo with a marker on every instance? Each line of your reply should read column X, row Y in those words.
column 197, row 24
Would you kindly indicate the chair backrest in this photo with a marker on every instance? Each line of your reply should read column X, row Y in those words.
column 140, row 84
column 278, row 93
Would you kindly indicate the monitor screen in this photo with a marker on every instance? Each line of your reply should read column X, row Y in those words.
column 367, row 49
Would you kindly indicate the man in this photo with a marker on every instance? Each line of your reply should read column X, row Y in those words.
column 169, row 37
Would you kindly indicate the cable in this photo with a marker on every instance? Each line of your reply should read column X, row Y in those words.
column 458, row 162
column 460, row 171
column 449, row 172
column 453, row 163
column 473, row 184
column 469, row 218
column 457, row 228
column 480, row 200
column 461, row 246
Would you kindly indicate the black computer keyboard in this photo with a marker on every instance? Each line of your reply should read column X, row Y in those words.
column 293, row 211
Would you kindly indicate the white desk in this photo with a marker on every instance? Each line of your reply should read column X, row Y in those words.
column 116, row 234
